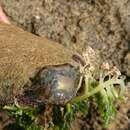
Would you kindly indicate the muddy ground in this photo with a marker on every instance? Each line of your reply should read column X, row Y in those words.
column 102, row 24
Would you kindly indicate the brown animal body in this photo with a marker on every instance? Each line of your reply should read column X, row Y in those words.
column 22, row 55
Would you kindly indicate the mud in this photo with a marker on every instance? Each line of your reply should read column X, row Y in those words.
column 102, row 24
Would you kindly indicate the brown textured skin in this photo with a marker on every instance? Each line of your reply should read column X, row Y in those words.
column 21, row 55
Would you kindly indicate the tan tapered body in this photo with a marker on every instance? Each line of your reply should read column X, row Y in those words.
column 22, row 54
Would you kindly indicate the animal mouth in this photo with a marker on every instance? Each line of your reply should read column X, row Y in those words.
column 54, row 85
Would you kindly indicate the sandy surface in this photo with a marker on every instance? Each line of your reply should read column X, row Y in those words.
column 102, row 24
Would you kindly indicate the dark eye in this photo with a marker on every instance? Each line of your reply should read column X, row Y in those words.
column 59, row 82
